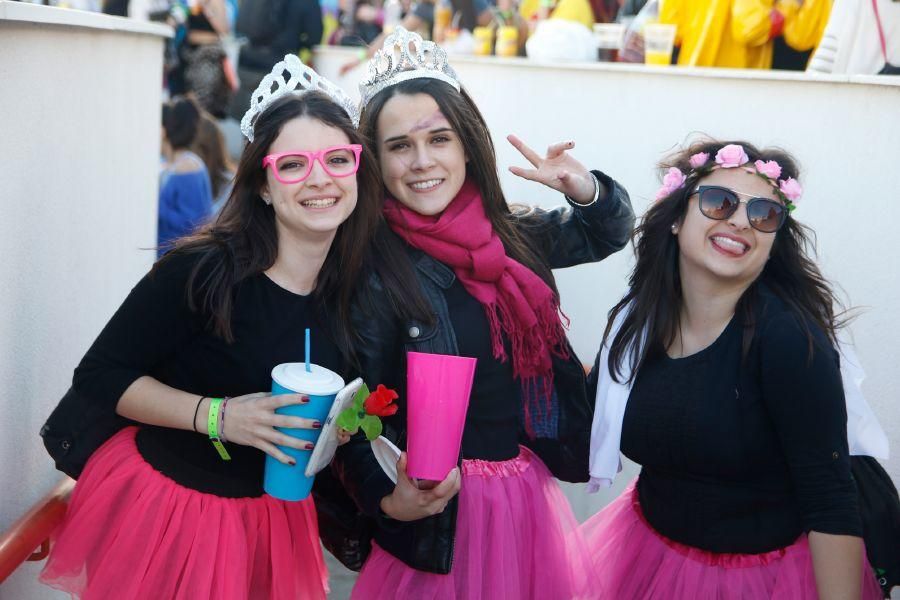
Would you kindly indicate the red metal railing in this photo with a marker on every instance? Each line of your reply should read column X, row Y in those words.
column 29, row 537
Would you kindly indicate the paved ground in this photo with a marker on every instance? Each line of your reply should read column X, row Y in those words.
column 340, row 578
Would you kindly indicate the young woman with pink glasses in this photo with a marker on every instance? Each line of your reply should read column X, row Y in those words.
column 157, row 512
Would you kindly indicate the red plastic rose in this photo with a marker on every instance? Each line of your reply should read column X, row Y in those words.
column 381, row 402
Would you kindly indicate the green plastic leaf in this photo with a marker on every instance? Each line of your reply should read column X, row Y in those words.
column 371, row 425
column 349, row 420
column 361, row 394
column 350, row 417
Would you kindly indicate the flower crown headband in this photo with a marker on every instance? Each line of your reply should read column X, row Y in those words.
column 730, row 157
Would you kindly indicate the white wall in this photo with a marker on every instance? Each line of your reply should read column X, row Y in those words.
column 79, row 154
column 79, row 136
column 845, row 132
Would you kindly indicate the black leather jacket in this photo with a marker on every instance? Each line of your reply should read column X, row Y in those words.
column 568, row 237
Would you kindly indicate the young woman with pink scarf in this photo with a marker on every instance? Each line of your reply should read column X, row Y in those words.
column 472, row 277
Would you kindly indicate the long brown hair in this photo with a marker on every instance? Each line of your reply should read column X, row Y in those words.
column 654, row 300
column 465, row 118
column 243, row 240
column 209, row 145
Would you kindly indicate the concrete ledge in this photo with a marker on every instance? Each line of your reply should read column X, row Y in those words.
column 47, row 15
column 79, row 141
column 672, row 71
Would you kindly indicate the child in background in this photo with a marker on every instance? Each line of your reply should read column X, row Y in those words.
column 185, row 193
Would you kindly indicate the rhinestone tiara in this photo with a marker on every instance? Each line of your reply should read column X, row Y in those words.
column 291, row 76
column 404, row 56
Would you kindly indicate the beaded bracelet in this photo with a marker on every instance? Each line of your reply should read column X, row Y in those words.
column 222, row 419
column 212, row 427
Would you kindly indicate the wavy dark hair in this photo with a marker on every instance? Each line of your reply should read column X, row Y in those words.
column 467, row 121
column 243, row 240
column 209, row 145
column 655, row 298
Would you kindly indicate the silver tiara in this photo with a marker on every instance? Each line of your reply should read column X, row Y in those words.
column 300, row 79
column 404, row 56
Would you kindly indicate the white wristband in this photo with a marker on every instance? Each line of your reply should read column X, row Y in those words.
column 596, row 194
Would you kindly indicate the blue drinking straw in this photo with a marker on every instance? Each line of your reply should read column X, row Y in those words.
column 308, row 369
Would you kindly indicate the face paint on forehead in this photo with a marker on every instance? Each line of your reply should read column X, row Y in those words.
column 430, row 122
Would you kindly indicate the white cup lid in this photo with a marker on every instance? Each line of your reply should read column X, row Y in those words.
column 319, row 381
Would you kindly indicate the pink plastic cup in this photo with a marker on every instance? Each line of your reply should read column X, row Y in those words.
column 438, row 387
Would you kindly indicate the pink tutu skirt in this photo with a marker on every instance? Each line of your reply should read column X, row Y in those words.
column 634, row 561
column 515, row 539
column 131, row 532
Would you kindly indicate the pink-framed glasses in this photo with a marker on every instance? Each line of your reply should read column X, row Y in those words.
column 296, row 165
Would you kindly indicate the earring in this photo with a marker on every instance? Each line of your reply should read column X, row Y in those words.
column 267, row 200
column 674, row 229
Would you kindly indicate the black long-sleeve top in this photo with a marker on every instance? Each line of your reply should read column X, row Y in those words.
column 744, row 455
column 492, row 425
column 155, row 333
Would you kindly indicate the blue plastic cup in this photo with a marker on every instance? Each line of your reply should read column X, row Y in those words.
column 287, row 482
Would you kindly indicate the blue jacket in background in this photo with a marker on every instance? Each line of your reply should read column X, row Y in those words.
column 185, row 201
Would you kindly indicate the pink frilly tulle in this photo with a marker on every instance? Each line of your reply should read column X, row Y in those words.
column 130, row 532
column 516, row 538
column 634, row 561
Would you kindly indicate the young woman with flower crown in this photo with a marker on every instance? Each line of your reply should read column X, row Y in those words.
column 479, row 275
column 719, row 375
column 157, row 511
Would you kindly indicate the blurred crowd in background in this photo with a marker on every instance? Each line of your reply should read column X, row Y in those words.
column 222, row 49
column 835, row 36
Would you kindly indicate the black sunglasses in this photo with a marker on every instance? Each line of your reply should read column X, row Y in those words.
column 719, row 203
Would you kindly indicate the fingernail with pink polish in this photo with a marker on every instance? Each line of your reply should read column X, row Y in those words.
column 316, row 425
column 309, row 446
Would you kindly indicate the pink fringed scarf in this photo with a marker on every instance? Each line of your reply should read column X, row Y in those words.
column 516, row 301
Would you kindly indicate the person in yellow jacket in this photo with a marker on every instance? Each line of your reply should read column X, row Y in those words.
column 579, row 11
column 739, row 33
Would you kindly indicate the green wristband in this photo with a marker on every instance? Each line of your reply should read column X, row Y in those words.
column 212, row 427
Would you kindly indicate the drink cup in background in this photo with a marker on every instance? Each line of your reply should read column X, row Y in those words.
column 484, row 40
column 443, row 18
column 659, row 41
column 609, row 38
column 507, row 41
column 437, row 397
column 287, row 482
